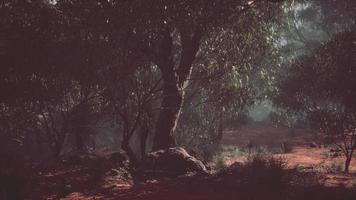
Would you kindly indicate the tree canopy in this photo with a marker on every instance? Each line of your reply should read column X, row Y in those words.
column 321, row 86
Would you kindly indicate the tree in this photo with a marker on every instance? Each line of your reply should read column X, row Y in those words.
column 41, row 46
column 171, row 36
column 70, row 42
column 307, row 24
column 223, row 84
column 129, row 100
column 322, row 86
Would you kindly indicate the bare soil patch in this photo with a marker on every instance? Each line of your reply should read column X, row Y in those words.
column 302, row 155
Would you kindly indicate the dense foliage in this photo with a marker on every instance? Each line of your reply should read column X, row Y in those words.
column 71, row 68
column 322, row 86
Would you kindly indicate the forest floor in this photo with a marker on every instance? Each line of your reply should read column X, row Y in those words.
column 81, row 183
column 307, row 152
column 75, row 184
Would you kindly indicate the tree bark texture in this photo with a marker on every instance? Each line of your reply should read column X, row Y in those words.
column 174, row 81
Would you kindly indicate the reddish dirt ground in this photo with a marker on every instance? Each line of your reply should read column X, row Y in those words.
column 184, row 188
column 76, row 183
column 268, row 136
column 52, row 185
column 302, row 155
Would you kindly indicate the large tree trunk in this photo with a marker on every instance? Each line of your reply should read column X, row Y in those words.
column 169, row 114
column 174, row 81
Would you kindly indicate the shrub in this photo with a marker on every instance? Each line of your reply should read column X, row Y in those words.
column 253, row 150
column 265, row 170
column 286, row 147
column 259, row 170
column 219, row 162
column 262, row 173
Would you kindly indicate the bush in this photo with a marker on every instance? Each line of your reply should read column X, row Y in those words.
column 286, row 147
column 259, row 170
column 252, row 149
column 265, row 171
column 219, row 162
column 226, row 153
column 262, row 173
